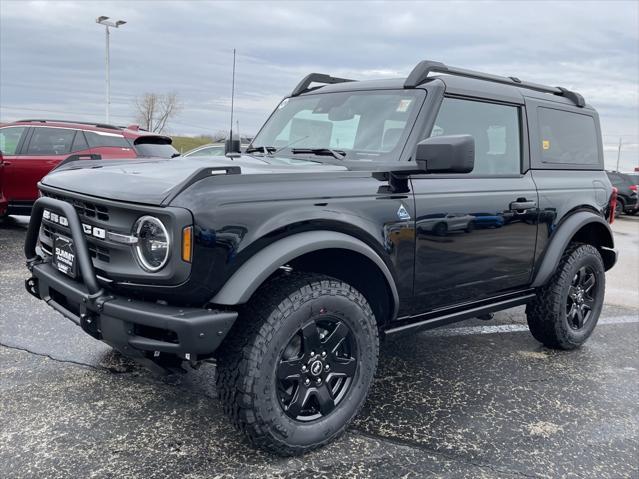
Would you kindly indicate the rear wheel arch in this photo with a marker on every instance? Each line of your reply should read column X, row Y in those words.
column 581, row 227
column 325, row 252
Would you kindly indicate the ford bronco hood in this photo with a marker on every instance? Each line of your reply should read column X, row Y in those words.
column 152, row 181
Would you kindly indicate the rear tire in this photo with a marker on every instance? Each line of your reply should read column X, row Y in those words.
column 566, row 310
column 297, row 366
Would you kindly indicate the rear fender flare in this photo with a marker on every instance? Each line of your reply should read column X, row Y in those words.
column 239, row 288
column 562, row 237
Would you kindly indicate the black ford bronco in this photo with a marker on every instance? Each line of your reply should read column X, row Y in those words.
column 361, row 210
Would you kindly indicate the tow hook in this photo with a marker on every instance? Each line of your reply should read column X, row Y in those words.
column 31, row 286
column 89, row 324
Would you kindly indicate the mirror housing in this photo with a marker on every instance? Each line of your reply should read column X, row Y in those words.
column 446, row 154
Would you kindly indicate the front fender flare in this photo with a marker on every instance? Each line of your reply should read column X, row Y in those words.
column 245, row 281
column 563, row 235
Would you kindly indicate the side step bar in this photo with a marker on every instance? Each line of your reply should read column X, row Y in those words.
column 434, row 320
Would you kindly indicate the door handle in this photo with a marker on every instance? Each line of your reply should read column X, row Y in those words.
column 5, row 163
column 521, row 205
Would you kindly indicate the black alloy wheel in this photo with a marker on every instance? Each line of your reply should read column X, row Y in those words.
column 581, row 298
column 316, row 368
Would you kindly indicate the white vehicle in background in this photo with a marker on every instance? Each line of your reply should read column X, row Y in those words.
column 215, row 149
column 211, row 149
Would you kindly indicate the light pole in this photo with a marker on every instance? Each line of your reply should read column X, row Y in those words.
column 102, row 20
column 618, row 154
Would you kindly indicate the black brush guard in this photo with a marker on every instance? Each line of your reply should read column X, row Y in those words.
column 142, row 330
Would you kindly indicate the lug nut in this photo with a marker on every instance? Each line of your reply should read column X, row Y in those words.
column 323, row 354
column 312, row 353
column 327, row 368
column 307, row 381
column 304, row 368
column 318, row 381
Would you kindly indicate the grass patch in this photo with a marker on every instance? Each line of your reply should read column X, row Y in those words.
column 186, row 143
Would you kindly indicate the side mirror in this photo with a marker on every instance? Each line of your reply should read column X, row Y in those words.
column 446, row 154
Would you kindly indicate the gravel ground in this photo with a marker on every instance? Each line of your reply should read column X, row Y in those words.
column 481, row 399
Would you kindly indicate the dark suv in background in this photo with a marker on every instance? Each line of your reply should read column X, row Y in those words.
column 29, row 149
column 627, row 200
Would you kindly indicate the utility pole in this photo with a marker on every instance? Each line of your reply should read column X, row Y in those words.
column 618, row 154
column 102, row 20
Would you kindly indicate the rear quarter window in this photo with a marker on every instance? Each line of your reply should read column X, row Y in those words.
column 567, row 138
column 101, row 139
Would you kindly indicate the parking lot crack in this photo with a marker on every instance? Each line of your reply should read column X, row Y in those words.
column 48, row 356
column 451, row 457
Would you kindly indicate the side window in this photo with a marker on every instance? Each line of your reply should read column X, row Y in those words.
column 567, row 138
column 50, row 141
column 80, row 142
column 100, row 139
column 9, row 139
column 614, row 179
column 495, row 128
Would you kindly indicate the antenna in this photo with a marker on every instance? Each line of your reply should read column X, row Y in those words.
column 230, row 149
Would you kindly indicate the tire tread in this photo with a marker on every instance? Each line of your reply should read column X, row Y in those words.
column 543, row 312
column 239, row 356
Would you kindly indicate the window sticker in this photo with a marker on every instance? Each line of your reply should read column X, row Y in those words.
column 404, row 104
column 545, row 144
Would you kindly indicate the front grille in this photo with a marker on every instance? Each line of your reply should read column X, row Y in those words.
column 95, row 251
column 112, row 260
column 84, row 208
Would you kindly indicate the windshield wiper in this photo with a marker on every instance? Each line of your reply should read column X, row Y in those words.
column 261, row 149
column 338, row 154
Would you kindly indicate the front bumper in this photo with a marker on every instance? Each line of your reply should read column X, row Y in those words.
column 139, row 329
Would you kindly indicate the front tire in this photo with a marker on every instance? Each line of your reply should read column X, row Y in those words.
column 298, row 365
column 566, row 310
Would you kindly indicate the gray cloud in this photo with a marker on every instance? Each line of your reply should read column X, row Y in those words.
column 52, row 53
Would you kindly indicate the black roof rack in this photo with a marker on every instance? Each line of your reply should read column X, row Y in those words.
column 303, row 86
column 98, row 125
column 420, row 73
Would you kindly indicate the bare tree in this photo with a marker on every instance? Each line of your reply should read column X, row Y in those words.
column 154, row 110
column 220, row 135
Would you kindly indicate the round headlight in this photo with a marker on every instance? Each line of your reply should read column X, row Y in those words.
column 152, row 248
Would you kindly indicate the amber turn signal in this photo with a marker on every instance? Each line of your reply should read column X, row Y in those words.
column 187, row 243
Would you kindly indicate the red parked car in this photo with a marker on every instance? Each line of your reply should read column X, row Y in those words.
column 29, row 149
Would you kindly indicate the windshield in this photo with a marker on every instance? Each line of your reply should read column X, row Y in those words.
column 366, row 125
column 157, row 147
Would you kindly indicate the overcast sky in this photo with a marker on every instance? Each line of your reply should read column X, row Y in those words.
column 52, row 54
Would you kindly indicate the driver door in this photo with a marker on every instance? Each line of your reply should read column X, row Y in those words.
column 475, row 232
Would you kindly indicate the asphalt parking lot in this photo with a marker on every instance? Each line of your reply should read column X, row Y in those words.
column 481, row 399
